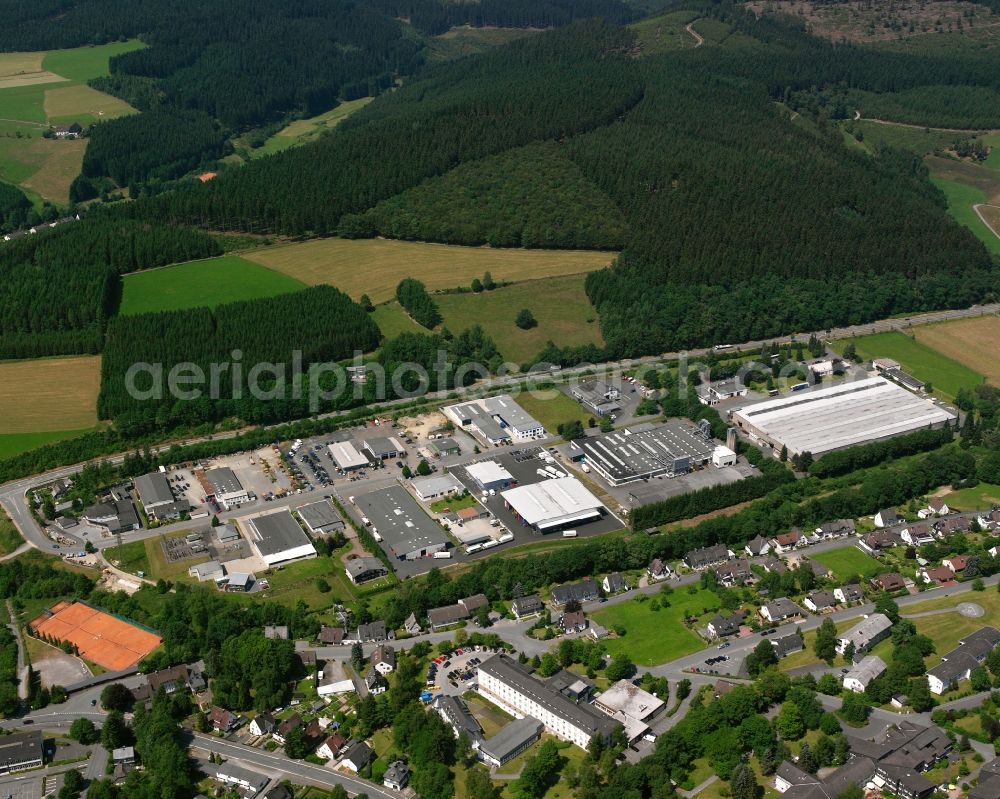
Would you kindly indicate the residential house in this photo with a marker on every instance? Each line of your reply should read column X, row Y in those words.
column 890, row 581
column 263, row 724
column 474, row 603
column 364, row 568
column 707, row 556
column 819, row 601
column 917, row 534
column 773, row 565
column 866, row 633
column 384, row 659
column 879, row 540
column 786, row 542
column 886, row 518
column 526, row 606
column 291, row 723
column 411, row 625
column 331, row 748
column 440, row 618
column 734, row 572
column 658, row 570
column 846, row 594
column 585, row 591
column 865, row 670
column 959, row 663
column 757, row 546
column 222, row 720
column 723, row 626
column 988, row 784
column 935, row 507
column 376, row 683
column 331, row 636
column 575, row 622
column 372, row 633
column 357, row 756
column 938, row 575
column 818, row 569
column 838, row 528
column 956, row 563
column 615, row 583
column 787, row 645
column 946, row 527
column 780, row 609
column 248, row 783
column 396, row 776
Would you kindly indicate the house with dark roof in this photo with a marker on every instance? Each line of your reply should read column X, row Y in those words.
column 988, row 783
column 886, row 518
column 585, row 591
column 734, row 572
column 357, row 756
column 890, row 581
column 331, row 636
column 959, row 663
column 707, row 556
column 440, row 618
column 780, row 609
column 373, row 632
column 222, row 720
column 575, row 622
column 263, row 724
column 848, row 593
column 456, row 715
column 836, row 528
column 615, row 583
column 376, row 682
column 757, row 546
column 396, row 776
column 787, row 645
column 820, row 601
column 658, row 570
column 865, row 634
column 723, row 626
column 917, row 534
column 525, row 606
column 879, row 540
column 291, row 723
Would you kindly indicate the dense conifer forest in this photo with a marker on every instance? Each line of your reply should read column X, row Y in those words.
column 321, row 323
column 14, row 207
column 58, row 287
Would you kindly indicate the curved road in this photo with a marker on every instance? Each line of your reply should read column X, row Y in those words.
column 699, row 40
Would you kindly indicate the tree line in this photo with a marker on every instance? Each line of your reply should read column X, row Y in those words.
column 321, row 323
column 413, row 296
column 844, row 461
column 60, row 286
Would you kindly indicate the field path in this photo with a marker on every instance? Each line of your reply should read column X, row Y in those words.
column 982, row 218
column 858, row 117
column 699, row 40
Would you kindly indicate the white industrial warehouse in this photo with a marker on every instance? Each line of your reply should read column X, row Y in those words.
column 844, row 415
column 277, row 538
column 552, row 504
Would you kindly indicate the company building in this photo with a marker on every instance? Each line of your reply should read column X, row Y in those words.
column 495, row 420
column 226, row 487
column 277, row 538
column 844, row 415
column 512, row 688
column 668, row 449
column 553, row 504
column 397, row 520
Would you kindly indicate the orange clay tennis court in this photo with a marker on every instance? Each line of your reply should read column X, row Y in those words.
column 98, row 636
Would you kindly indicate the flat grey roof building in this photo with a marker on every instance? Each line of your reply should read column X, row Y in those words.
column 153, row 490
column 401, row 523
column 670, row 448
column 430, row 487
column 278, row 538
column 22, row 750
column 511, row 741
column 224, row 480
column 320, row 518
column 385, row 447
column 839, row 416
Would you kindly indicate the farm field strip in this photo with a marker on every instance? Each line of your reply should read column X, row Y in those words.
column 63, row 394
column 971, row 342
column 201, row 284
column 375, row 266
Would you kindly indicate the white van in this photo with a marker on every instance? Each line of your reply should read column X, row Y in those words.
column 569, row 533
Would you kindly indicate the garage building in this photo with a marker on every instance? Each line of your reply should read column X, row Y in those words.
column 489, row 475
column 553, row 504
column 625, row 456
column 398, row 520
column 226, row 487
column 845, row 415
column 320, row 518
column 428, row 488
column 347, row 457
column 277, row 538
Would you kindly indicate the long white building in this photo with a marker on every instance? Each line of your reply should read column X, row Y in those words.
column 512, row 688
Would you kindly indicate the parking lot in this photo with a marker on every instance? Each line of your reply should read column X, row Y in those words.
column 455, row 673
column 29, row 787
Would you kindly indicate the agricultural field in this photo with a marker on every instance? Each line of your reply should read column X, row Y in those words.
column 982, row 497
column 12, row 444
column 197, row 284
column 393, row 320
column 63, row 394
column 375, row 266
column 559, row 304
column 973, row 343
column 665, row 32
column 49, row 88
column 847, row 561
column 551, row 407
column 302, row 131
column 966, row 185
column 465, row 40
column 656, row 636
column 924, row 363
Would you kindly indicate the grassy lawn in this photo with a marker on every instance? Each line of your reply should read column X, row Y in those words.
column 551, row 407
column 947, row 629
column 375, row 266
column 981, row 497
column 961, row 197
column 302, row 131
column 393, row 320
column 49, row 395
column 197, row 284
column 656, row 636
column 847, row 561
column 665, row 32
column 453, row 504
column 462, row 41
column 12, row 444
column 492, row 719
column 10, row 538
column 161, row 568
column 807, row 657
column 573, row 755
column 130, row 557
column 559, row 304
column 972, row 342
column 921, row 361
column 297, row 581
